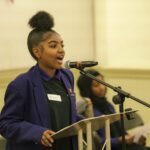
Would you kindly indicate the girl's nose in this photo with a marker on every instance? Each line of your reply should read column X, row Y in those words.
column 61, row 49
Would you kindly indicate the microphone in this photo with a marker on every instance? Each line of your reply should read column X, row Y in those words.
column 80, row 64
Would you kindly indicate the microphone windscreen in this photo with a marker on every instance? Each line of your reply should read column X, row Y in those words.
column 67, row 64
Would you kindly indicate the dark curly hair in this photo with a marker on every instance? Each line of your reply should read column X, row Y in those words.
column 84, row 83
column 42, row 22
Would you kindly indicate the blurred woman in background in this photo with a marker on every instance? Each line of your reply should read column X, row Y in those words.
column 96, row 93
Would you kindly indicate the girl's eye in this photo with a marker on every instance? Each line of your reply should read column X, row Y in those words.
column 96, row 84
column 53, row 46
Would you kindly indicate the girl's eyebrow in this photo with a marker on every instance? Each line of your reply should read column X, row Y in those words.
column 54, row 42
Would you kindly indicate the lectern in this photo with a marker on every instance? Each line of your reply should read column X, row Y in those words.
column 87, row 126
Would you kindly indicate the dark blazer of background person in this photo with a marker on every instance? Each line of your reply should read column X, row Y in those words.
column 96, row 92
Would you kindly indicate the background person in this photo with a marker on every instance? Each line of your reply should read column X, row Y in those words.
column 96, row 92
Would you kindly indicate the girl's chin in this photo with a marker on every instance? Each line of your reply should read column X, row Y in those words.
column 59, row 66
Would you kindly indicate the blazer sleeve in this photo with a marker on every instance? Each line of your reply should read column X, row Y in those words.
column 114, row 141
column 12, row 123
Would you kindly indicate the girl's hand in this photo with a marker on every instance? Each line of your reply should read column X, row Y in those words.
column 46, row 139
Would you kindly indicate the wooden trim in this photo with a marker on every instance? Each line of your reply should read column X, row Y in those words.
column 7, row 75
column 125, row 73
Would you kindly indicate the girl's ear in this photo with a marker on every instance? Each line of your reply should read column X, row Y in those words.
column 37, row 52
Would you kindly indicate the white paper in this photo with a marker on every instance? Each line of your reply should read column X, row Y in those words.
column 140, row 131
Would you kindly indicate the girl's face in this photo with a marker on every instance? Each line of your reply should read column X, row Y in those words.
column 98, row 89
column 50, row 52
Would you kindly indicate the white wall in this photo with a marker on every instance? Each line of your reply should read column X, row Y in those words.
column 73, row 19
column 122, row 30
column 123, row 33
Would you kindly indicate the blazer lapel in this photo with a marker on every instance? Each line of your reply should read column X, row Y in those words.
column 71, row 94
column 40, row 99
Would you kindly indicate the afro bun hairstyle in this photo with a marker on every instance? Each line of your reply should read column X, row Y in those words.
column 41, row 21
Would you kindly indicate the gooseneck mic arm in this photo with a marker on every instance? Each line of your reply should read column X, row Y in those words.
column 118, row 99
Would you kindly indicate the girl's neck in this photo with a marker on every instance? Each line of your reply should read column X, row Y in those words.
column 49, row 71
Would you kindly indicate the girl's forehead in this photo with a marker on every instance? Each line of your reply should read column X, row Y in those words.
column 99, row 78
column 51, row 36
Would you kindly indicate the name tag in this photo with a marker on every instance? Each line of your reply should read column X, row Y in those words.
column 54, row 97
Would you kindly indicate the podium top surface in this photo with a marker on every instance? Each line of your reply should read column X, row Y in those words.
column 96, row 123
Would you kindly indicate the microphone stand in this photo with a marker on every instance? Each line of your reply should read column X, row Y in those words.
column 117, row 99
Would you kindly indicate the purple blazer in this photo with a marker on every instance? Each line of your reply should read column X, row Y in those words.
column 25, row 115
column 101, row 132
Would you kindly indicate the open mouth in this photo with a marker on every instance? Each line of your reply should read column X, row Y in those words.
column 60, row 59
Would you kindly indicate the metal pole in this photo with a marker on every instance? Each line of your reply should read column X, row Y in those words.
column 107, row 134
column 80, row 139
column 89, row 135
